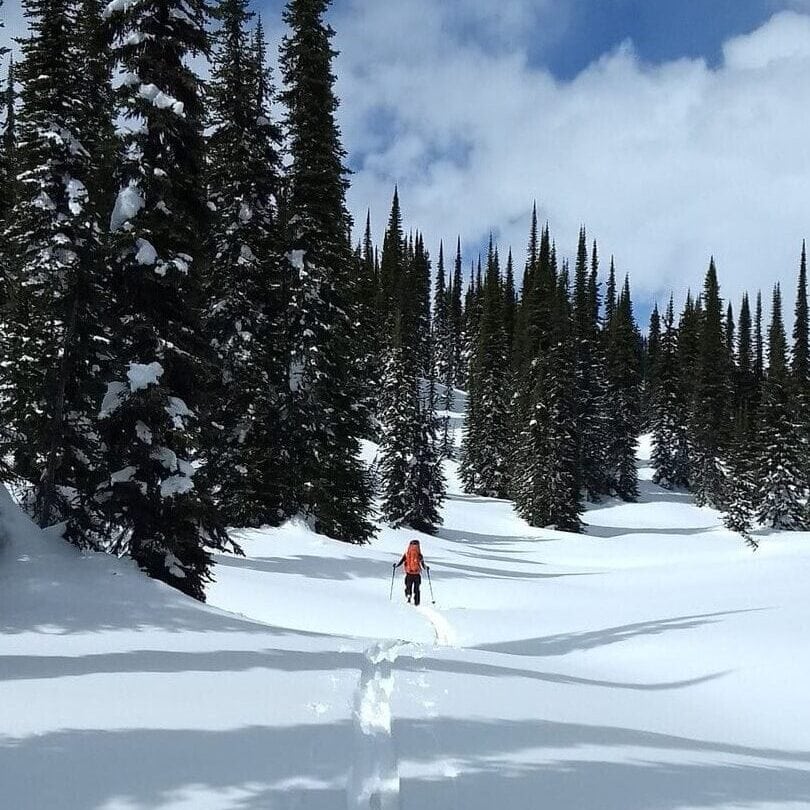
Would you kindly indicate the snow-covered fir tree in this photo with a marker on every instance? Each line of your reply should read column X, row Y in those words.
column 624, row 398
column 780, row 467
column 410, row 466
column 485, row 467
column 246, row 453
column 328, row 482
column 57, row 279
column 547, row 489
column 8, row 149
column 442, row 328
column 591, row 384
column 670, row 456
column 710, row 423
column 456, row 321
column 162, row 364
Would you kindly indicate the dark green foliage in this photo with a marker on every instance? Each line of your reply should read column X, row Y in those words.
column 328, row 482
column 411, row 472
column 591, row 386
column 456, row 320
column 800, row 366
column 650, row 362
column 161, row 362
column 624, row 398
column 8, row 149
column 57, row 278
column 745, row 394
column 710, row 418
column 509, row 305
column 246, row 448
column 546, row 487
column 670, row 458
column 780, row 468
column 485, row 449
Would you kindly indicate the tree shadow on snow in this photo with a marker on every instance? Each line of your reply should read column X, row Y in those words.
column 488, row 763
column 566, row 643
column 483, row 758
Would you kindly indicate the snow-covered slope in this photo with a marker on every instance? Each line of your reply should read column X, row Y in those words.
column 655, row 663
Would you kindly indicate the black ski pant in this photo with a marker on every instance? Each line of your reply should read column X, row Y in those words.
column 413, row 582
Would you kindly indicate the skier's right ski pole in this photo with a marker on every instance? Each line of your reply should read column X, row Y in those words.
column 432, row 598
column 393, row 574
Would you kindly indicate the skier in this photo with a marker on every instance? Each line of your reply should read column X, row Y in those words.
column 414, row 562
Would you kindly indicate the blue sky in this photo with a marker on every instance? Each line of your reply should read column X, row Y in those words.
column 661, row 30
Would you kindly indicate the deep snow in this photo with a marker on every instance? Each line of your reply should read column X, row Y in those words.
column 654, row 664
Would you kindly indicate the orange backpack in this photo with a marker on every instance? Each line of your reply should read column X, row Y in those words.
column 413, row 559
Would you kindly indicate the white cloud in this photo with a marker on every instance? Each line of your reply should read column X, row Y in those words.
column 665, row 164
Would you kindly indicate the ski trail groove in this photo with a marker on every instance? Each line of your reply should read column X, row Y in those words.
column 444, row 631
column 374, row 778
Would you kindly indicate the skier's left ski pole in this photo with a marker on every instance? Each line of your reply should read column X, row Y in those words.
column 432, row 599
column 393, row 574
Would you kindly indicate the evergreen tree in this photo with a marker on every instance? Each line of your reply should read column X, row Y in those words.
column 782, row 487
column 367, row 323
column 509, row 305
column 442, row 334
column 8, row 150
column 670, row 441
column 485, row 449
column 247, row 455
column 610, row 293
column 412, row 477
column 651, row 359
column 759, row 348
column 161, row 363
column 57, row 282
column 624, row 396
column 546, row 488
column 328, row 480
column 800, row 366
column 392, row 272
column 590, row 383
column 745, row 394
column 456, row 318
column 709, row 415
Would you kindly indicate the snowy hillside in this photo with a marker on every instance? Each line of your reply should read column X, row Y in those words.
column 656, row 663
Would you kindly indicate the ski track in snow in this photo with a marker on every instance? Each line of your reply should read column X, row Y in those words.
column 374, row 779
column 445, row 633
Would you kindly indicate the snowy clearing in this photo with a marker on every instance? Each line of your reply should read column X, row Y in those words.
column 654, row 664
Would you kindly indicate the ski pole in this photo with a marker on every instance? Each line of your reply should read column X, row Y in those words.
column 393, row 574
column 432, row 599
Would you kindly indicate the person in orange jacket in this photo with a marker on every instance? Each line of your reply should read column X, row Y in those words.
column 414, row 563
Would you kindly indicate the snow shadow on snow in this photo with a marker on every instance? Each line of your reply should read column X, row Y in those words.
column 21, row 667
column 314, row 567
column 278, row 768
column 482, row 755
column 489, row 542
column 609, row 532
column 304, row 767
column 461, row 666
column 565, row 643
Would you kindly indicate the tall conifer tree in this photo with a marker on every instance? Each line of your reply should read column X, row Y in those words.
column 247, row 453
column 780, row 470
column 161, row 362
column 710, row 418
column 329, row 484
column 800, row 366
column 57, row 282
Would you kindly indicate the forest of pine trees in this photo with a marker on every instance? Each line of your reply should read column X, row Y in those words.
column 191, row 340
